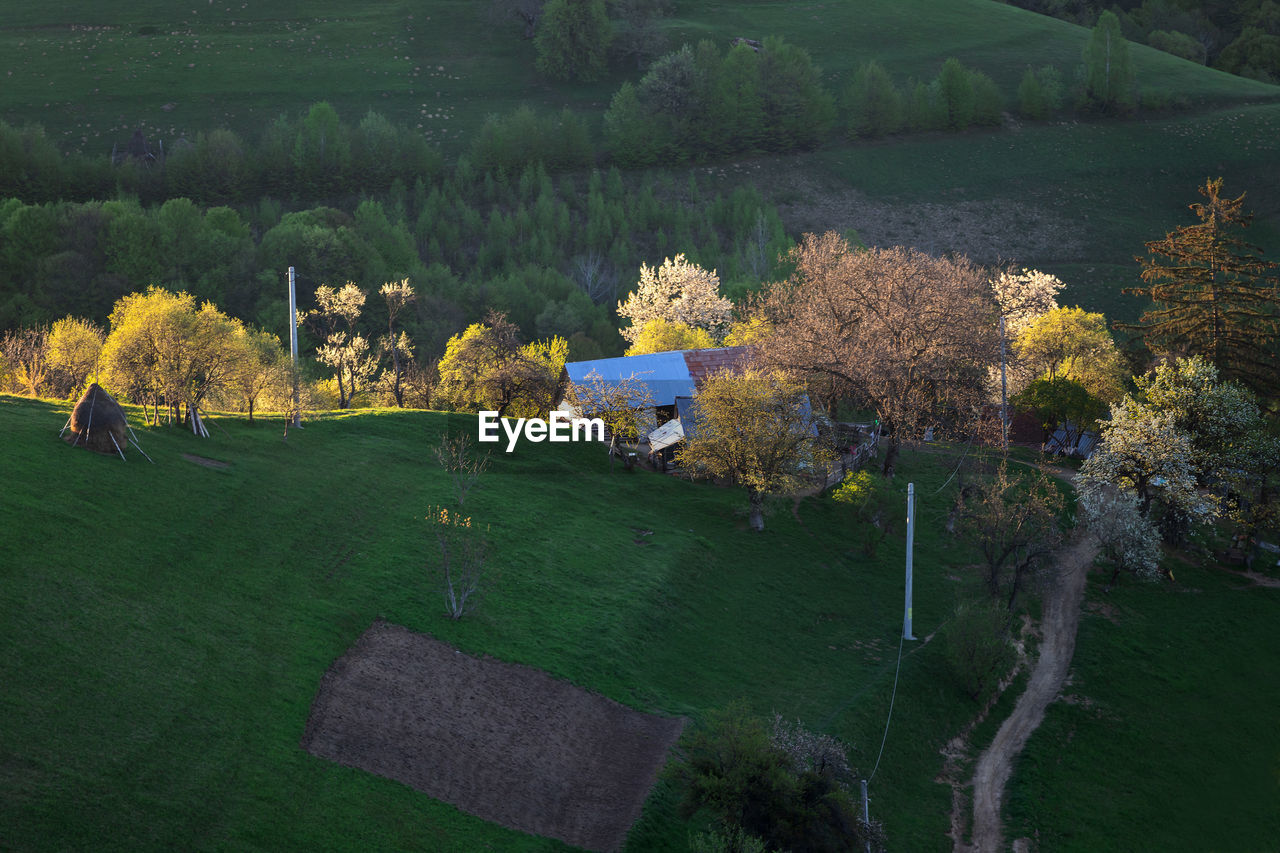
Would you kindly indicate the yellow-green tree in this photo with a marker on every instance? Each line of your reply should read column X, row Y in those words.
column 662, row 335
column 163, row 348
column 1071, row 343
column 756, row 429
column 260, row 368
column 73, row 348
column 487, row 367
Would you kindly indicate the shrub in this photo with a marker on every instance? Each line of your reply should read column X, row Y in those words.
column 955, row 88
column 1031, row 100
column 785, row 787
column 924, row 108
column 988, row 103
column 512, row 143
column 1177, row 43
column 875, row 104
column 573, row 39
column 978, row 652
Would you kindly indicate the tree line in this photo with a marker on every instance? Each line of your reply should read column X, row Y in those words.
column 550, row 253
column 1239, row 37
column 695, row 103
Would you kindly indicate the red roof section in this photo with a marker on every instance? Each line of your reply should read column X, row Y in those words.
column 703, row 362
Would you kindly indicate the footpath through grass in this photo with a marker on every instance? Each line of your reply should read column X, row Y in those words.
column 1166, row 738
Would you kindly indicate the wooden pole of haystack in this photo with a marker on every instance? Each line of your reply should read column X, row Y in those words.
column 293, row 347
column 137, row 446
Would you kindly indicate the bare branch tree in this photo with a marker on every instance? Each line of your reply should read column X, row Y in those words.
column 458, row 458
column 1013, row 519
column 461, row 565
column 596, row 276
column 906, row 334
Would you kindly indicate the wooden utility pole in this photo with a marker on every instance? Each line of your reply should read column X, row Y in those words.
column 293, row 348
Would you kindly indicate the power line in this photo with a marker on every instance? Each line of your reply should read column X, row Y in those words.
column 889, row 718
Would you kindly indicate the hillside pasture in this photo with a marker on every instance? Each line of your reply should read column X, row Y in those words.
column 167, row 627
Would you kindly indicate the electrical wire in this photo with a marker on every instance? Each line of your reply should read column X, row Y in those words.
column 958, row 464
column 889, row 718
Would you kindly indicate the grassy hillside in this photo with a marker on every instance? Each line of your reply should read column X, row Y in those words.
column 167, row 625
column 1167, row 738
column 89, row 71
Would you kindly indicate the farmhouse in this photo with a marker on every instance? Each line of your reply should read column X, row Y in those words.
column 671, row 380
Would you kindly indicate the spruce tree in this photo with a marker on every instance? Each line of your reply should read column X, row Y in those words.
column 1215, row 295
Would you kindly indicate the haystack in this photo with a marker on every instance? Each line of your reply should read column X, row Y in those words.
column 98, row 423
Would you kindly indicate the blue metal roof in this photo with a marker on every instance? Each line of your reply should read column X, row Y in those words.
column 665, row 374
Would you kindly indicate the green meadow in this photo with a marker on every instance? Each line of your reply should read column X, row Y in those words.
column 167, row 627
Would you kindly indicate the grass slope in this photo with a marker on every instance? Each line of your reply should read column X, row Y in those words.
column 1169, row 729
column 91, row 72
column 167, row 625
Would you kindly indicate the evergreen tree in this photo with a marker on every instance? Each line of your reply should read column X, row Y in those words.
column 573, row 39
column 1215, row 296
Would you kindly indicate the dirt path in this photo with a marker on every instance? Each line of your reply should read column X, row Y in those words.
column 1061, row 618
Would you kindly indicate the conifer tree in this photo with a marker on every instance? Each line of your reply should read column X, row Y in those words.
column 1215, row 295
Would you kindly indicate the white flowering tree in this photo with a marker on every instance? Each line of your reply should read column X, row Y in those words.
column 1127, row 538
column 678, row 291
column 1023, row 296
column 1145, row 452
column 1219, row 417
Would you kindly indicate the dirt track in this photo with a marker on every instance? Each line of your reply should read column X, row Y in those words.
column 1061, row 619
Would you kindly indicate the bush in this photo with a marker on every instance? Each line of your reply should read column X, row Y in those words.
column 1031, row 100
column 1177, row 43
column 988, row 103
column 977, row 646
column 786, row 787
column 1040, row 93
column 955, row 88
column 511, row 143
column 875, row 104
column 1255, row 53
column 573, row 39
column 693, row 104
column 923, row 111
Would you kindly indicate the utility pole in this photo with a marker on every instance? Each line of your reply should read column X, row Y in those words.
column 866, row 813
column 1004, row 393
column 293, row 348
column 911, row 536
